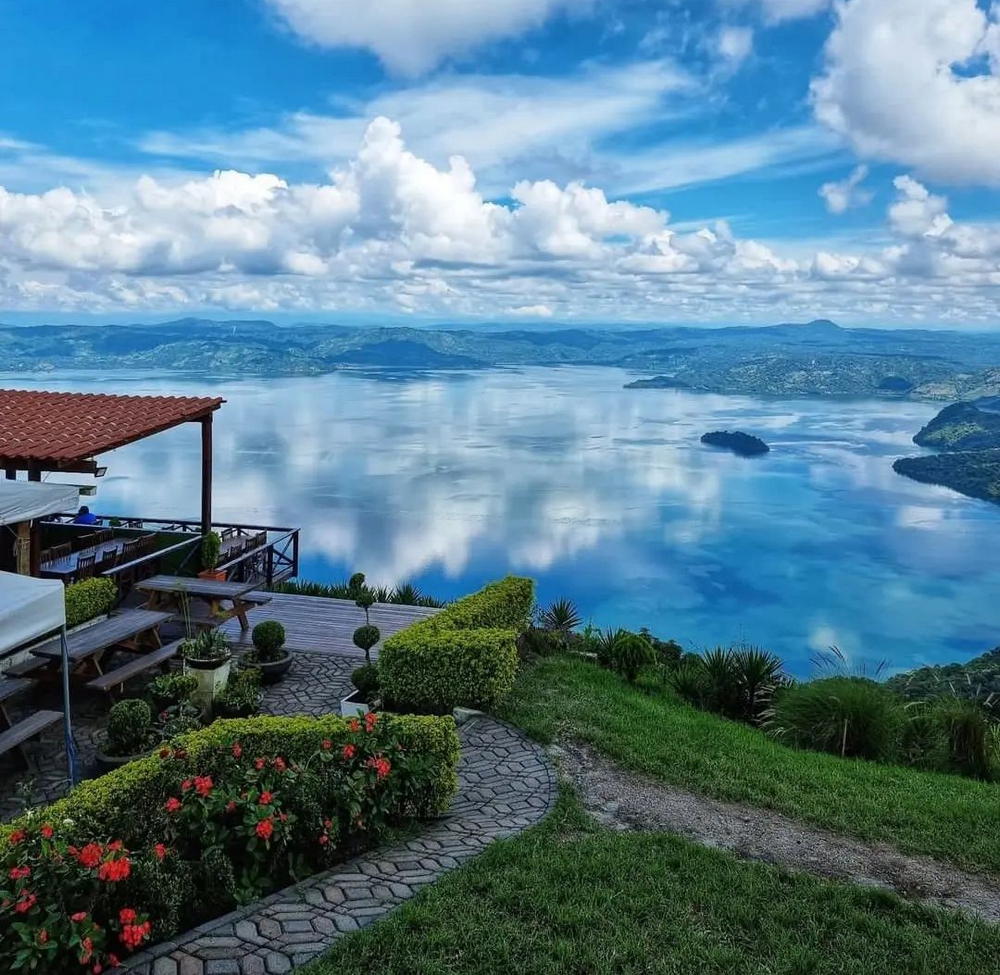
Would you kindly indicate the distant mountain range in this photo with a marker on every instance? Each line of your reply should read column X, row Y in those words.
column 816, row 358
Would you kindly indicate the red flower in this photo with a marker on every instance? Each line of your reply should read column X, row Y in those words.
column 115, row 845
column 324, row 839
column 172, row 804
column 126, row 915
column 43, row 936
column 78, row 917
column 237, row 751
column 231, row 806
column 16, row 837
column 327, row 744
column 115, row 870
column 279, row 764
column 265, row 798
column 203, row 784
column 381, row 765
column 164, row 753
column 160, row 850
column 180, row 754
column 259, row 764
column 371, row 719
column 353, row 725
column 185, row 785
column 90, row 855
column 46, row 831
column 19, row 873
column 265, row 828
column 348, row 752
column 133, row 935
column 26, row 904
column 113, row 960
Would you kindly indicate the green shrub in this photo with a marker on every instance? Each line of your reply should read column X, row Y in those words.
column 630, row 655
column 433, row 671
column 604, row 643
column 127, row 801
column 241, row 695
column 689, row 681
column 365, row 637
column 89, row 598
column 268, row 639
column 848, row 716
column 174, row 688
column 130, row 728
column 211, row 546
column 562, row 615
column 365, row 679
column 465, row 655
column 668, row 652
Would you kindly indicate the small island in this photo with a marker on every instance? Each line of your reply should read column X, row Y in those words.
column 739, row 443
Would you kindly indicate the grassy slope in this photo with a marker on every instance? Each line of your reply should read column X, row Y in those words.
column 945, row 816
column 570, row 897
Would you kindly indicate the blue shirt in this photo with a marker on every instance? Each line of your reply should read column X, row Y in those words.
column 88, row 519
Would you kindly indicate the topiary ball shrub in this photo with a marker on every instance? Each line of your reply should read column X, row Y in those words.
column 630, row 655
column 853, row 717
column 269, row 637
column 130, row 727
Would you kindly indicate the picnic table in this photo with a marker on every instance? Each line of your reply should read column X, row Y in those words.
column 175, row 593
column 134, row 630
column 13, row 734
column 66, row 567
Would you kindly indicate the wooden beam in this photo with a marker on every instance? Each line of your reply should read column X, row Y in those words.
column 206, row 474
column 75, row 467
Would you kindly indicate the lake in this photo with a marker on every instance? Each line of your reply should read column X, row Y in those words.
column 604, row 495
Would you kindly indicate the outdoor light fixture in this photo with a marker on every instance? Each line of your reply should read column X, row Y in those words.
column 100, row 472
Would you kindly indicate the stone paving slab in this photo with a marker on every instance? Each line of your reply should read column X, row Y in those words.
column 505, row 785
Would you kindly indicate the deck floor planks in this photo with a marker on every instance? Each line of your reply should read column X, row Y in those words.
column 321, row 624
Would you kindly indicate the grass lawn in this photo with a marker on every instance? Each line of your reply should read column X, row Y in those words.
column 568, row 896
column 647, row 729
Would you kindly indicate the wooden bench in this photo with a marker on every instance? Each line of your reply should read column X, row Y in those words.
column 17, row 734
column 26, row 667
column 115, row 679
column 10, row 687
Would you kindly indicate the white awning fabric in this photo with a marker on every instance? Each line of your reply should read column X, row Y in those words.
column 26, row 500
column 29, row 609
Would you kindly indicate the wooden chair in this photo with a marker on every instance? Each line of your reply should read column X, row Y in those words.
column 130, row 550
column 86, row 541
column 227, row 533
column 45, row 556
column 61, row 551
column 259, row 540
column 108, row 561
column 104, row 536
column 85, row 567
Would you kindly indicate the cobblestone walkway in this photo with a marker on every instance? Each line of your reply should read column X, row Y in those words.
column 506, row 784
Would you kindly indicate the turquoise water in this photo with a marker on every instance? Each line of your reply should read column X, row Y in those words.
column 603, row 494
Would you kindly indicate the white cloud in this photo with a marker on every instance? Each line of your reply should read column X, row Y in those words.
column 532, row 311
column 847, row 193
column 412, row 36
column 916, row 82
column 391, row 230
column 734, row 45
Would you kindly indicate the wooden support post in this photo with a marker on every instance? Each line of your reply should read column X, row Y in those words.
column 206, row 474
column 11, row 473
column 34, row 473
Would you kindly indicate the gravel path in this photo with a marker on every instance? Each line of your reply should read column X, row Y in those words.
column 627, row 801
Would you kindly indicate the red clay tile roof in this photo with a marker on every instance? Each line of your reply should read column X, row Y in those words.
column 67, row 427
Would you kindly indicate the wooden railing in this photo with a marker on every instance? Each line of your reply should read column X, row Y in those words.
column 275, row 561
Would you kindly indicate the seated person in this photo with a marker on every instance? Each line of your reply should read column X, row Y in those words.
column 84, row 517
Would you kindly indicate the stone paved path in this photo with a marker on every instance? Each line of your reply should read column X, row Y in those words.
column 506, row 784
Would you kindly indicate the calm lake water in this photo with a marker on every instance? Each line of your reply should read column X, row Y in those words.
column 602, row 494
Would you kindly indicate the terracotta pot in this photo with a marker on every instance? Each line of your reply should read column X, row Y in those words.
column 214, row 574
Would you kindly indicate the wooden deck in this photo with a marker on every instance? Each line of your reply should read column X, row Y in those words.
column 315, row 623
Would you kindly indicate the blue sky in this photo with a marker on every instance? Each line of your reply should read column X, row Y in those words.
column 538, row 160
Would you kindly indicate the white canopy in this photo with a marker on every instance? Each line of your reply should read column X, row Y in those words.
column 26, row 500
column 29, row 609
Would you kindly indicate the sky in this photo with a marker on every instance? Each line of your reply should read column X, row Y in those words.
column 532, row 161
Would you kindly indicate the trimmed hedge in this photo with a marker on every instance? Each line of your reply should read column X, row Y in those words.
column 127, row 801
column 464, row 656
column 90, row 598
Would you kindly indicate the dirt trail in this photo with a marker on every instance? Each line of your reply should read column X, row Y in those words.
column 628, row 801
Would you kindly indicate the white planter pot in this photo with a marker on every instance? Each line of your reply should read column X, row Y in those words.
column 353, row 706
column 212, row 677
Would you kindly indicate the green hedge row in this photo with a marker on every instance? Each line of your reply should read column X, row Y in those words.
column 126, row 802
column 465, row 655
column 90, row 598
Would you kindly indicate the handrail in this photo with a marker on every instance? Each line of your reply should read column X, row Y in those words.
column 159, row 553
column 182, row 524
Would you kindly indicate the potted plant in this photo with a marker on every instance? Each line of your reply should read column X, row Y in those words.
column 207, row 657
column 129, row 735
column 211, row 546
column 241, row 696
column 269, row 654
column 364, row 678
column 171, row 690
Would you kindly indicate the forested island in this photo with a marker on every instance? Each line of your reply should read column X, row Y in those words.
column 968, row 438
column 738, row 442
